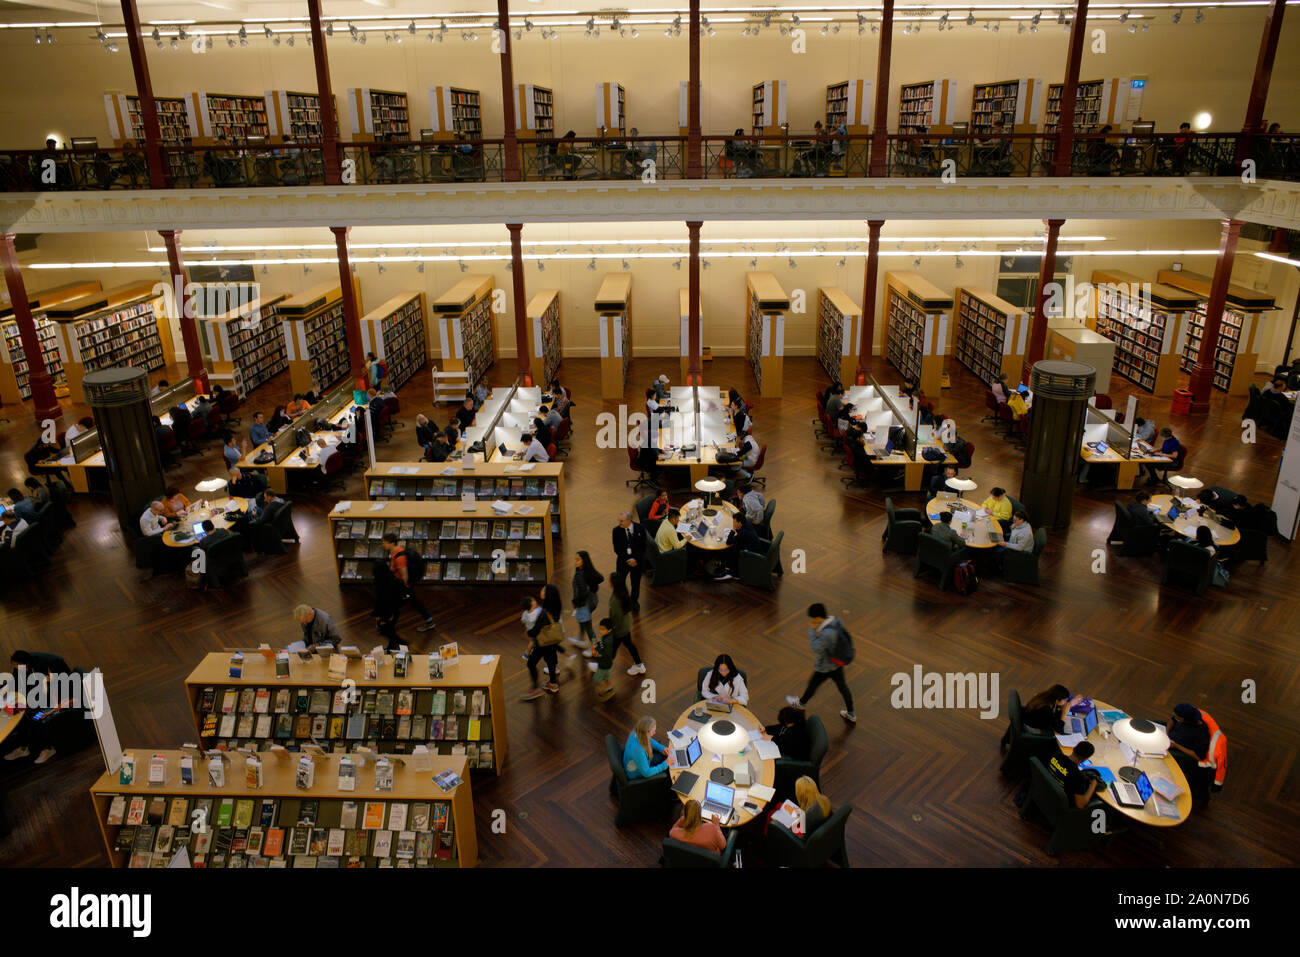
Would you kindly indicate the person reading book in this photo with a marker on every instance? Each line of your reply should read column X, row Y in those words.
column 691, row 828
column 790, row 734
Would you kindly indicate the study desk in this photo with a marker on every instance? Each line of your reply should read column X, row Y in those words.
column 1109, row 754
column 78, row 472
column 195, row 515
column 983, row 532
column 1129, row 468
column 742, row 717
column 9, row 722
column 719, row 525
column 698, row 462
column 277, row 473
column 1186, row 525
column 913, row 468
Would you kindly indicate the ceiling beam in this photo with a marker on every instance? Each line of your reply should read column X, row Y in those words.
column 85, row 10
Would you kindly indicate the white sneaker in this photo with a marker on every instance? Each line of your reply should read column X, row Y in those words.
column 848, row 716
column 592, row 666
column 588, row 654
column 793, row 701
column 17, row 753
column 45, row 756
column 580, row 642
column 637, row 669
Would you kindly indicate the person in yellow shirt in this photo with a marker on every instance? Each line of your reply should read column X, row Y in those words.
column 1016, row 403
column 667, row 538
column 998, row 505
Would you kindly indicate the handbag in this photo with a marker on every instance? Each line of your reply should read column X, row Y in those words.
column 550, row 635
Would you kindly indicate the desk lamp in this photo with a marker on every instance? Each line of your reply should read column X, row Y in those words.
column 724, row 736
column 1185, row 482
column 211, row 485
column 1144, row 737
column 961, row 484
column 709, row 486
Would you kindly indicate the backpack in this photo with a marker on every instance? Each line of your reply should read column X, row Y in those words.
column 383, row 370
column 964, row 579
column 415, row 565
column 302, row 437
column 842, row 651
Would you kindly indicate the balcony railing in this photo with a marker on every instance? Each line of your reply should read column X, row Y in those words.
column 937, row 156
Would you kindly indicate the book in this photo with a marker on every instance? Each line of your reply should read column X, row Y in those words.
column 338, row 666
column 435, row 670
column 419, row 816
column 237, row 665
column 282, row 664
column 262, row 727
column 252, row 772
column 209, row 725
column 319, row 841
column 464, row 528
column 282, row 701
column 336, row 726
column 135, row 815
column 450, row 653
column 243, row 813
column 266, row 814
column 208, row 699
column 401, row 662
column 273, row 844
column 247, row 698
column 217, row 772
column 384, row 702
column 383, row 774
column 157, row 810
column 302, row 726
column 319, row 726
column 319, row 702
column 348, row 815
column 397, row 815
column 374, row 815
column 158, row 769
column 308, row 811
column 245, row 727
column 116, row 810
column 298, row 838
column 262, row 701
column 371, row 668
column 423, row 845
column 178, row 814
column 300, row 699
column 347, row 775
column 459, row 702
column 450, row 727
column 227, row 728
column 256, row 836
column 447, row 780
column 335, row 843
column 439, row 702
column 405, row 846
column 125, row 839
column 225, row 811
column 306, row 773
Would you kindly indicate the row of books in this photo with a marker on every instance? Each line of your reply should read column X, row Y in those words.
column 754, row 347
column 45, row 334
column 432, row 548
column 450, row 528
column 173, row 120
column 477, row 340
column 387, row 702
column 357, row 726
column 404, row 346
column 452, row 487
column 830, row 337
column 905, row 343
column 524, row 569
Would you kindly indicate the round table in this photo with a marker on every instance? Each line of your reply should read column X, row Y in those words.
column 743, row 718
column 1109, row 754
column 984, row 532
column 196, row 515
column 719, row 526
column 1186, row 524
column 9, row 722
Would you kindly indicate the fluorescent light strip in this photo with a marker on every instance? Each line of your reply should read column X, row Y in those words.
column 1272, row 257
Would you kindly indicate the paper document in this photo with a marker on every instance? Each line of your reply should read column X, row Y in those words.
column 500, row 507
column 378, row 506
column 524, row 510
column 767, row 750
column 487, row 659
column 527, row 466
column 761, row 792
column 342, row 506
column 756, row 734
column 1069, row 740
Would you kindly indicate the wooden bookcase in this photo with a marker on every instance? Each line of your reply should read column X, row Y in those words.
column 315, row 337
column 125, row 121
column 684, row 307
column 1235, row 357
column 289, row 113
column 467, row 333
column 1014, row 103
column 378, row 114
column 14, row 383
column 125, row 325
column 991, row 335
column 544, row 321
column 614, row 316
column 769, row 107
column 232, row 117
column 425, row 525
column 1147, row 323
column 396, row 332
column 926, row 106
column 445, row 835
column 534, row 112
column 839, row 332
column 611, row 108
column 1097, row 103
column 246, row 345
column 453, row 111
column 312, row 692
column 848, row 103
column 916, row 328
column 489, row 481
column 765, row 307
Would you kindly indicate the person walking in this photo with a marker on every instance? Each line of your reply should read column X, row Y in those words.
column 621, row 623
column 388, row 602
column 832, row 649
column 544, row 637
column 586, row 586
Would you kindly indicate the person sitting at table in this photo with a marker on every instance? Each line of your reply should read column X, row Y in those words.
column 654, row 406
column 550, row 417
column 560, row 400
column 660, row 388
column 940, row 482
column 1213, row 500
column 1019, row 539
column 752, row 504
column 174, row 503
column 564, row 155
column 790, row 733
column 742, row 424
column 641, row 749
column 1276, row 384
column 324, row 452
column 211, row 534
column 724, row 683
column 834, row 401
column 12, row 527
column 424, row 430
column 37, row 492
column 77, row 428
column 1016, row 403
column 1044, row 713
column 297, row 407
column 998, row 505
column 1170, row 447
column 375, row 401
column 154, row 520
column 21, row 505
column 543, row 432
column 202, row 409
column 1001, row 391
column 161, row 432
column 465, row 414
column 1100, row 154
column 159, row 389
column 39, row 452
column 1205, row 540
column 735, row 403
column 1064, row 769
column 535, row 451
column 258, row 433
column 1144, row 430
column 1188, row 732
column 317, row 626
column 691, row 828
column 816, row 806
column 439, row 448
column 944, row 531
column 667, row 538
column 31, row 735
column 742, row 538
column 748, row 450
column 229, row 450
column 659, row 508
column 1139, row 510
column 248, row 484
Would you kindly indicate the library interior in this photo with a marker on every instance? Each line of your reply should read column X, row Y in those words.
column 295, row 376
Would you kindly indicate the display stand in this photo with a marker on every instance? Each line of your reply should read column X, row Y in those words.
column 770, row 98
column 1148, row 323
column 839, row 331
column 378, row 115
column 315, row 337
column 848, row 104
column 122, row 326
column 246, row 345
column 926, row 107
column 1235, row 358
column 991, row 335
column 544, row 321
column 614, row 317
column 916, row 328
column 14, row 383
column 611, row 109
column 289, row 113
column 467, row 335
column 455, row 112
column 488, row 481
column 396, row 332
column 765, row 307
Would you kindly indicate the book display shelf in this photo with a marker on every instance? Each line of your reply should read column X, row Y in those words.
column 460, row 542
column 769, row 107
column 315, row 338
column 848, row 104
column 454, row 111
column 15, row 385
column 486, row 481
column 614, row 316
column 378, row 115
column 611, row 108
column 544, row 321
column 353, row 813
column 227, row 117
column 1235, row 355
column 122, row 326
column 460, row 713
column 466, row 333
column 534, row 112
column 923, row 107
column 765, row 307
column 839, row 330
column 246, row 345
column 1013, row 103
column 395, row 332
column 991, row 335
column 1147, row 322
column 289, row 113
column 916, row 328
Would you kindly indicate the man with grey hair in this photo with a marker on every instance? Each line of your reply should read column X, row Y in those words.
column 629, row 553
column 660, row 385
column 153, row 521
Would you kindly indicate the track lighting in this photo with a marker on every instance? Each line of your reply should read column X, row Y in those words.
column 419, row 267
column 677, row 264
column 1060, row 18
column 329, row 29
column 1123, row 17
column 410, row 28
column 970, row 19
column 462, row 265
column 230, row 42
column 528, row 24
column 157, row 37
column 1200, row 16
column 794, row 18
column 1036, row 17
column 591, row 266
column 352, row 29
column 1177, row 16
column 791, row 263
column 753, row 263
column 841, row 262
column 39, row 38
column 943, row 20
column 825, row 29
column 176, row 44
column 182, row 34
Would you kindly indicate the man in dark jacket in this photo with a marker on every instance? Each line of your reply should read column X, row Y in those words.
column 629, row 552
column 742, row 538
column 1139, row 509
column 823, row 636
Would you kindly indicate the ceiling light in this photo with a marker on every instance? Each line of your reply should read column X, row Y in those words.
column 1036, row 17
column 835, row 27
column 419, row 267
column 363, row 39
column 841, row 262
column 791, row 263
column 1060, row 18
column 175, row 43
column 1200, row 16
column 825, row 29
column 528, row 24
column 1146, row 28
column 677, row 264
column 329, row 29
column 157, row 37
column 1123, row 17
column 461, row 264
column 267, row 32
column 410, row 28
column 230, row 42
column 1020, row 28
column 970, row 19
column 592, row 265
column 289, row 39
column 352, row 29
column 182, row 34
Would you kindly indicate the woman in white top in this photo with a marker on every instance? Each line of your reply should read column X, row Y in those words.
column 725, row 683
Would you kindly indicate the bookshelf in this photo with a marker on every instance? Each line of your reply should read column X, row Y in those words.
column 916, row 328
column 1013, row 103
column 395, row 332
column 544, row 321
column 769, row 100
column 1097, row 103
column 246, row 345
column 489, row 481
column 765, row 307
column 125, row 121
column 991, row 335
column 453, row 111
column 246, row 711
column 289, row 113
column 839, row 330
column 315, row 337
column 281, row 825
column 466, row 333
column 117, row 327
column 924, row 106
column 534, row 112
column 378, row 114
column 14, row 382
column 614, row 316
column 1147, row 322
column 1235, row 357
column 232, row 117
column 457, row 543
column 611, row 108
column 848, row 104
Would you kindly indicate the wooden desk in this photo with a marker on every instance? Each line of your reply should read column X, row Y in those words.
column 983, row 532
column 719, row 526
column 1128, row 468
column 913, row 468
column 9, row 722
column 1108, row 754
column 698, row 462
column 196, row 515
column 744, row 718
column 277, row 476
column 1186, row 525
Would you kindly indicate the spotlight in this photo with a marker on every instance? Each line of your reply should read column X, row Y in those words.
column 792, row 264
column 1178, row 15
column 970, row 19
column 1132, row 28
column 1020, row 28
column 1036, row 17
column 635, row 33
column 39, row 38
column 767, row 19
column 916, row 263
column 275, row 41
column 243, row 37
column 825, row 29
column 996, row 27
column 176, row 44
column 705, row 263
column 785, row 31
column 1060, row 18
column 1123, row 17
column 1146, row 28
column 410, row 28
column 419, row 267
column 182, row 34
column 363, row 39
column 541, row 266
column 519, row 33
column 677, row 264
column 625, row 266
column 753, row 264
column 289, row 39
column 329, row 29
column 875, row 28
column 1200, row 16
column 267, row 32
column 157, row 37
column 528, row 24
column 794, row 18
column 230, row 42
column 461, row 264
column 959, row 263
column 382, row 270
column 352, row 29
column 835, row 28
column 591, row 266
column 841, row 262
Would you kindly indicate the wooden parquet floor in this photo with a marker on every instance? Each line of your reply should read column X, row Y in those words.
column 923, row 784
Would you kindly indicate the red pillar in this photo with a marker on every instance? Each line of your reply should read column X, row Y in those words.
column 1037, row 346
column 328, row 121
column 511, row 159
column 1254, row 122
column 867, row 345
column 694, row 371
column 158, row 171
column 45, row 405
column 694, row 163
column 521, row 304
column 351, row 311
column 880, row 118
column 189, row 328
column 1203, row 368
column 1069, row 93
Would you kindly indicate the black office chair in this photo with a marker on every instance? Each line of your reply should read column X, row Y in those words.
column 642, row 509
column 642, row 799
column 902, row 526
column 789, row 770
column 1252, row 547
column 225, row 562
column 760, row 569
column 765, row 526
column 1199, row 779
column 1022, row 567
column 1137, row 540
column 1188, row 565
column 934, row 553
column 1020, row 745
column 826, row 844
column 1071, row 826
column 680, row 854
column 667, row 568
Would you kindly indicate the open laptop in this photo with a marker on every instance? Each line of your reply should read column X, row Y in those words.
column 687, row 756
column 1134, row 794
column 717, row 801
column 1085, row 723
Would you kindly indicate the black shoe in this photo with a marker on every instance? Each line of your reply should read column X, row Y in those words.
column 636, row 606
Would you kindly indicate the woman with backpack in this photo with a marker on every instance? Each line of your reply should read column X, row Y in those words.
column 586, row 585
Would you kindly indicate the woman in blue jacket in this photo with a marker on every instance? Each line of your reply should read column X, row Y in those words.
column 640, row 750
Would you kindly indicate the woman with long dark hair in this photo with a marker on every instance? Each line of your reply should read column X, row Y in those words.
column 586, row 585
column 1044, row 713
column 537, row 623
column 620, row 603
column 724, row 683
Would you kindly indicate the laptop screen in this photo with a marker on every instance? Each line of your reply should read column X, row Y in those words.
column 718, row 793
column 693, row 750
column 1173, row 511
